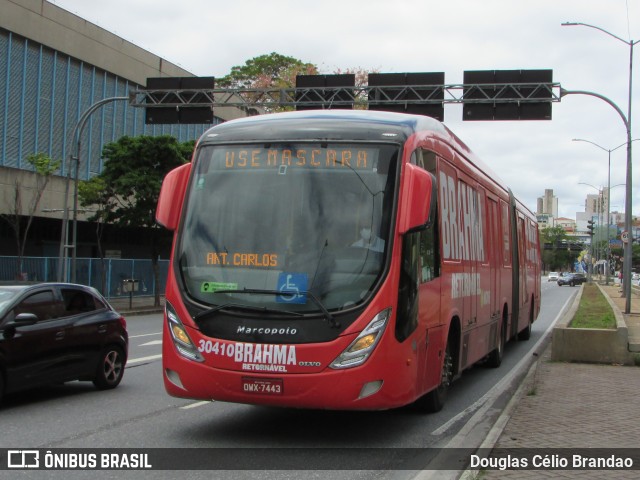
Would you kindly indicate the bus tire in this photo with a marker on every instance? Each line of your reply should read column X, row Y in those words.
column 526, row 333
column 434, row 400
column 494, row 359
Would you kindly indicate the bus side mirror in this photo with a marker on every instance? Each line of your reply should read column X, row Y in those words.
column 172, row 196
column 415, row 201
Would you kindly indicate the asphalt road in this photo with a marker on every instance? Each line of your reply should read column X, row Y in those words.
column 139, row 414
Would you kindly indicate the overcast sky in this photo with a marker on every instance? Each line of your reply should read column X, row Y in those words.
column 208, row 37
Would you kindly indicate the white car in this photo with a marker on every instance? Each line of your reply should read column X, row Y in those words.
column 553, row 277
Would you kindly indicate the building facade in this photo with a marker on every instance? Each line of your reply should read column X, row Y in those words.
column 54, row 66
column 548, row 204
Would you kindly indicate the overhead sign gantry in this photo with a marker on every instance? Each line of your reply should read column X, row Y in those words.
column 485, row 95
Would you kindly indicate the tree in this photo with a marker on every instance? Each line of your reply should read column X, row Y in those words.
column 267, row 71
column 43, row 167
column 272, row 71
column 132, row 176
column 556, row 251
column 361, row 80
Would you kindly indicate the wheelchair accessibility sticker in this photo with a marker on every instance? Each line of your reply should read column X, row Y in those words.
column 293, row 287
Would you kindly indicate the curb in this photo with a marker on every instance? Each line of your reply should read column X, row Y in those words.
column 498, row 427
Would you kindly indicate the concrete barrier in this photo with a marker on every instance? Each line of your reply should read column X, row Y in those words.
column 591, row 345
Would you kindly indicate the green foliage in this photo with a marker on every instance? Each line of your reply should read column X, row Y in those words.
column 265, row 71
column 617, row 256
column 594, row 310
column 272, row 71
column 555, row 252
column 43, row 164
column 127, row 190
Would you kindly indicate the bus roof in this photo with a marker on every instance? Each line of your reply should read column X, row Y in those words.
column 323, row 125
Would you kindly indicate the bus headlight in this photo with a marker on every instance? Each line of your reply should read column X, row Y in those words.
column 180, row 337
column 360, row 349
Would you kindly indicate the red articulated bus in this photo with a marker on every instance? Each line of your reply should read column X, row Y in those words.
column 340, row 260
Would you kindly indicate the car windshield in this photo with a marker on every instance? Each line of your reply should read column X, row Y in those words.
column 7, row 294
column 291, row 218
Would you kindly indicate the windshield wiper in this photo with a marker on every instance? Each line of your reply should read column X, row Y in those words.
column 251, row 308
column 327, row 315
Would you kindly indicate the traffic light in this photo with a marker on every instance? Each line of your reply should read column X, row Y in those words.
column 590, row 227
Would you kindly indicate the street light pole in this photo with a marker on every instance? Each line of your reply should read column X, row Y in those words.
column 608, row 150
column 628, row 201
column 64, row 235
column 598, row 209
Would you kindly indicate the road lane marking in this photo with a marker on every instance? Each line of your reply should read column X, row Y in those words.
column 143, row 359
column 197, row 404
column 145, row 335
column 153, row 342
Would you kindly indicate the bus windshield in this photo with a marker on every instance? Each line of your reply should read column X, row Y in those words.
column 286, row 226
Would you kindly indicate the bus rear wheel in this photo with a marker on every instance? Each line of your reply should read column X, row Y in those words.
column 495, row 357
column 526, row 333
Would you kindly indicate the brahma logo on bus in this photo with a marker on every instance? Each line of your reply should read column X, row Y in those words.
column 462, row 234
column 253, row 357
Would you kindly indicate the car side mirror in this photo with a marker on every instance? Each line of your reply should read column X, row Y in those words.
column 24, row 319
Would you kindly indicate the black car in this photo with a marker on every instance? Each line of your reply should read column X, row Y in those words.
column 58, row 332
column 571, row 279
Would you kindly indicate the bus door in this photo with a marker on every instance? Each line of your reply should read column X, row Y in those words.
column 493, row 255
column 433, row 326
column 523, row 286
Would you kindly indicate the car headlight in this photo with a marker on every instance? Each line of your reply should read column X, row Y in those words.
column 364, row 344
column 180, row 337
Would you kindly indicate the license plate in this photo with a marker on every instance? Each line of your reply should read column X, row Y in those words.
column 262, row 386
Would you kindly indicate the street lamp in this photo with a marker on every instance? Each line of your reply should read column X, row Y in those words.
column 609, row 187
column 64, row 246
column 628, row 203
column 590, row 225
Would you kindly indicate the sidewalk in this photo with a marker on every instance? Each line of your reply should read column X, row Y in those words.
column 571, row 405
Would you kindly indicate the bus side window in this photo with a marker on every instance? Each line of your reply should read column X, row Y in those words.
column 429, row 253
column 429, row 161
column 429, row 244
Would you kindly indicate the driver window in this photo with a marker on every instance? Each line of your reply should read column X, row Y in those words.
column 41, row 304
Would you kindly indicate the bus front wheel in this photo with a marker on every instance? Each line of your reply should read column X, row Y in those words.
column 435, row 399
